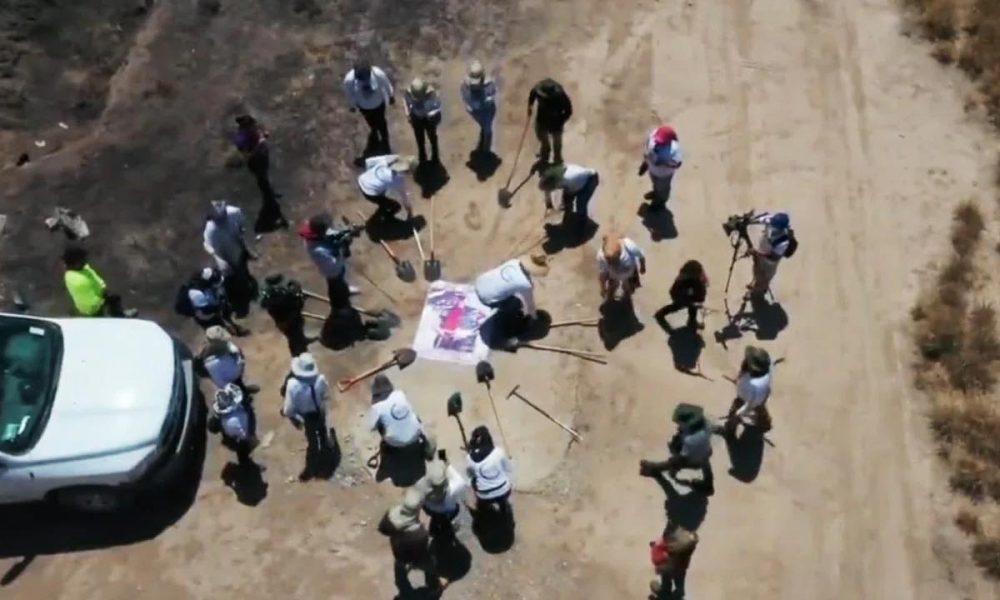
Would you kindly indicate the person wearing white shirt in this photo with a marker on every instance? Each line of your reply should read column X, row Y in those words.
column 661, row 157
column 753, row 388
column 368, row 90
column 578, row 185
column 443, row 488
column 222, row 359
column 510, row 290
column 490, row 471
column 235, row 421
column 620, row 262
column 393, row 417
column 479, row 97
column 385, row 176
column 223, row 240
column 307, row 396
column 423, row 109
column 773, row 245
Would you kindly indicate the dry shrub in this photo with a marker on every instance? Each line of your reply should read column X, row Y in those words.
column 967, row 522
column 986, row 553
column 938, row 19
column 980, row 55
column 975, row 478
column 966, row 228
column 944, row 52
column 971, row 368
column 971, row 423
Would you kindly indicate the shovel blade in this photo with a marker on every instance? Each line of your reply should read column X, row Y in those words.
column 504, row 196
column 484, row 372
column 432, row 269
column 454, row 404
column 406, row 272
column 404, row 357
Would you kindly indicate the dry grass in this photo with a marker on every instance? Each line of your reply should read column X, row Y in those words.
column 980, row 55
column 986, row 553
column 967, row 228
column 937, row 19
column 967, row 522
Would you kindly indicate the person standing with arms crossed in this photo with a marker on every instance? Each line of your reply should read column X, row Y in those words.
column 479, row 96
column 369, row 90
column 423, row 109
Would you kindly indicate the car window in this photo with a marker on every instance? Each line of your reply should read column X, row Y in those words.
column 30, row 354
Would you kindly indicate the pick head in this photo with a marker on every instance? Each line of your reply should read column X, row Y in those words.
column 454, row 404
column 513, row 391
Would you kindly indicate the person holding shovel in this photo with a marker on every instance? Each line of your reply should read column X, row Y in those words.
column 620, row 262
column 385, row 176
column 510, row 290
column 690, row 448
column 554, row 109
column 393, row 417
column 443, row 488
column 410, row 544
column 307, row 399
column 490, row 471
column 661, row 158
column 753, row 388
column 687, row 292
column 479, row 94
column 578, row 185
column 423, row 108
column 369, row 90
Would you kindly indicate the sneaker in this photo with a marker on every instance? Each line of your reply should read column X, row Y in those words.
column 352, row 290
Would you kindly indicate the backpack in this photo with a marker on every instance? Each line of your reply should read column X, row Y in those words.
column 793, row 244
column 182, row 303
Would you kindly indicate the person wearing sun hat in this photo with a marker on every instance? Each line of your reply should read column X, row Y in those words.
column 776, row 242
column 509, row 289
column 690, row 448
column 479, row 94
column 369, row 90
column 307, row 399
column 578, row 185
column 753, row 388
column 620, row 262
column 423, row 109
column 661, row 157
column 223, row 360
column 385, row 176
column 443, row 487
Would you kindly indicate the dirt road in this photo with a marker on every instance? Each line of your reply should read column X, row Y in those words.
column 819, row 108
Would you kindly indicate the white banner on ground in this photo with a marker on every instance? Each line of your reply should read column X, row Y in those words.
column 449, row 325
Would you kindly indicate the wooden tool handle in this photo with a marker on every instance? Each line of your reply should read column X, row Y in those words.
column 388, row 251
column 564, row 350
column 316, row 296
column 345, row 384
column 576, row 322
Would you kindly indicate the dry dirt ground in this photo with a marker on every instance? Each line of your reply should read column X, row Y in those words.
column 819, row 108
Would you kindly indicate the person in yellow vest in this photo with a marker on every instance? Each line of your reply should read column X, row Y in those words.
column 88, row 291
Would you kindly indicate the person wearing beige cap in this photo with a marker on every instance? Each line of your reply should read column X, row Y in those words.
column 620, row 262
column 385, row 176
column 753, row 388
column 444, row 488
column 410, row 543
column 479, row 94
column 510, row 290
column 423, row 108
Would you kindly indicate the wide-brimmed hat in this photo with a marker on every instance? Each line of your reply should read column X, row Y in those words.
column 304, row 365
column 406, row 515
column 476, row 74
column 535, row 264
column 757, row 359
column 381, row 388
column 403, row 163
column 227, row 399
column 419, row 88
column 688, row 414
column 217, row 333
column 546, row 87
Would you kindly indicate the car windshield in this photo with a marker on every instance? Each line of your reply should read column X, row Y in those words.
column 30, row 353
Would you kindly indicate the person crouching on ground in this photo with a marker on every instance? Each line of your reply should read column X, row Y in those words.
column 662, row 157
column 209, row 302
column 620, row 262
column 687, row 292
column 234, row 418
column 490, row 471
column 443, row 488
column 393, row 417
column 307, row 399
column 671, row 556
column 690, row 448
column 753, row 388
column 578, row 185
column 423, row 109
column 384, row 176
column 87, row 290
column 410, row 544
column 510, row 290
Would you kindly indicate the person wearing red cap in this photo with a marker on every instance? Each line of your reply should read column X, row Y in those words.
column 662, row 158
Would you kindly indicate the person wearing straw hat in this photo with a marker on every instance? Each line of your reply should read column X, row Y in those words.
column 554, row 109
column 661, row 158
column 235, row 421
column 307, row 398
column 393, row 417
column 223, row 360
column 690, row 448
column 753, row 388
column 490, row 470
column 479, row 94
column 410, row 543
column 443, row 488
column 509, row 289
column 385, row 176
column 423, row 108
column 578, row 185
column 369, row 90
column 620, row 262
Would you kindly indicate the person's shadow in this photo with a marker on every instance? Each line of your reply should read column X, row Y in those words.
column 687, row 510
column 500, row 327
column 323, row 465
column 392, row 228
column 403, row 466
column 685, row 344
column 483, row 164
column 247, row 481
column 765, row 319
column 746, row 454
column 660, row 223
column 431, row 177
column 453, row 559
column 571, row 232
column 494, row 530
column 618, row 322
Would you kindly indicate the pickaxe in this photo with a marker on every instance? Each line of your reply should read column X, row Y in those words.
column 454, row 410
column 484, row 375
column 515, row 393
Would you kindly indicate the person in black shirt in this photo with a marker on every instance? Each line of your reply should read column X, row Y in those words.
column 554, row 109
column 251, row 140
column 283, row 300
column 688, row 291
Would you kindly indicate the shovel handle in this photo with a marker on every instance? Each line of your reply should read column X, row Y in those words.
column 345, row 384
column 389, row 251
column 420, row 247
column 316, row 296
column 313, row 316
column 585, row 322
column 594, row 356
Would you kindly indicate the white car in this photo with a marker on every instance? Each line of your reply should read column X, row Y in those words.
column 92, row 410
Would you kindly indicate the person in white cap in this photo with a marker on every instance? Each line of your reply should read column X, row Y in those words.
column 368, row 90
column 224, row 242
column 385, row 176
column 490, row 471
column 443, row 488
column 423, row 108
column 661, row 158
column 223, row 360
column 479, row 94
column 510, row 290
column 307, row 398
column 410, row 543
column 620, row 261
column 393, row 417
column 235, row 421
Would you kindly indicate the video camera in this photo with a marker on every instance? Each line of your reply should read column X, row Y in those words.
column 341, row 238
column 738, row 224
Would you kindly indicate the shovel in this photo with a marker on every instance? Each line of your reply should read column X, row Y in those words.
column 585, row 355
column 432, row 266
column 402, row 357
column 504, row 195
column 404, row 270
column 382, row 315
column 454, row 410
column 484, row 375
column 582, row 322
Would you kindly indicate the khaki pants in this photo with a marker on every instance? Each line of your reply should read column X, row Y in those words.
column 764, row 271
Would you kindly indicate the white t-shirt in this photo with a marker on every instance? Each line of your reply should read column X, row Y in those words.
column 628, row 261
column 330, row 263
column 305, row 396
column 224, row 369
column 754, row 391
column 475, row 101
column 452, row 497
column 491, row 476
column 662, row 161
column 400, row 425
column 768, row 246
column 224, row 239
column 507, row 280
column 236, row 424
column 379, row 179
column 205, row 302
column 575, row 178
column 380, row 92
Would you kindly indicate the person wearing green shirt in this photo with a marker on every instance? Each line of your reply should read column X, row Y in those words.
column 87, row 289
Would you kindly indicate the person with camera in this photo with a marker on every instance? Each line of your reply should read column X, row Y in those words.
column 776, row 242
column 423, row 108
column 283, row 300
column 661, row 159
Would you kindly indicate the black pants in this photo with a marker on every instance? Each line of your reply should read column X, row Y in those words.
column 671, row 586
column 338, row 292
column 269, row 218
column 378, row 134
column 241, row 286
column 677, row 462
column 692, row 308
column 317, row 442
column 292, row 326
column 426, row 127
column 550, row 138
column 441, row 527
column 386, row 205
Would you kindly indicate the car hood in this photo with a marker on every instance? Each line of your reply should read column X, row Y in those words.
column 113, row 392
